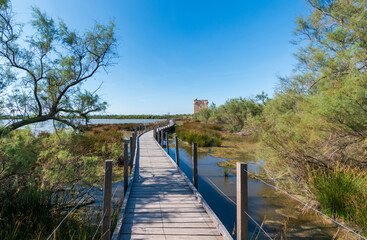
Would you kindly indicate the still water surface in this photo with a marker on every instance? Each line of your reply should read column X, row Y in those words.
column 264, row 203
column 48, row 126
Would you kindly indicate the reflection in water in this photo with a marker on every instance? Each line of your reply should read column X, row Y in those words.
column 265, row 204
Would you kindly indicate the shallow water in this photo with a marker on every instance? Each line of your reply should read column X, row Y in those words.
column 265, row 204
column 48, row 126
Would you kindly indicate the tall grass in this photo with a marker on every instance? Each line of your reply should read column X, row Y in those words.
column 32, row 214
column 342, row 193
column 204, row 135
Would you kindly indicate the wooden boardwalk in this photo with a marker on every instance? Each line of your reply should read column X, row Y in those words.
column 161, row 204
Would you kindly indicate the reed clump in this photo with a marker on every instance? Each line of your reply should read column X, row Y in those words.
column 205, row 135
column 32, row 214
column 342, row 193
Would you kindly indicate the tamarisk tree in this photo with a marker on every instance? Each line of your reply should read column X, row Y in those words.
column 41, row 74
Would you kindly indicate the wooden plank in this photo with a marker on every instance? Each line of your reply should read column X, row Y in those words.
column 188, row 199
column 161, row 191
column 164, row 205
column 172, row 225
column 160, row 196
column 152, row 215
column 132, row 220
column 165, row 237
column 157, row 187
column 170, row 231
column 165, row 210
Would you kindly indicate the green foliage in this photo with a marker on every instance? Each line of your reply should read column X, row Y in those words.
column 196, row 133
column 234, row 113
column 342, row 193
column 30, row 214
column 40, row 178
column 204, row 115
column 51, row 64
column 318, row 117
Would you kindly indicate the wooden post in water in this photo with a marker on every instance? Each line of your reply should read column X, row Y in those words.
column 126, row 167
column 177, row 158
column 195, row 165
column 131, row 152
column 242, row 201
column 107, row 201
column 167, row 145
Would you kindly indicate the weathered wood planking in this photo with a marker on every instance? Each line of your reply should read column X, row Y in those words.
column 161, row 203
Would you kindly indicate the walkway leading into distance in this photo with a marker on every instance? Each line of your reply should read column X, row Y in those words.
column 161, row 204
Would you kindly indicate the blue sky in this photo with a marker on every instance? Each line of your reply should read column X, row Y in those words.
column 173, row 51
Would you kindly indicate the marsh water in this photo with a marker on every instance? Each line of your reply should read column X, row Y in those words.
column 48, row 126
column 265, row 205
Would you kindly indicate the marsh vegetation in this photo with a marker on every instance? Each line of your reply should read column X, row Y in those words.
column 43, row 177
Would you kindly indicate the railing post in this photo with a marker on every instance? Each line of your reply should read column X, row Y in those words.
column 162, row 137
column 131, row 152
column 242, row 201
column 107, row 201
column 167, row 145
column 177, row 158
column 126, row 167
column 195, row 165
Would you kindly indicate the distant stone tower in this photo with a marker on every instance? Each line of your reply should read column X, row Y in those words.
column 200, row 104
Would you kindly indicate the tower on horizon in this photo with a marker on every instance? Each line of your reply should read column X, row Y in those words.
column 200, row 104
